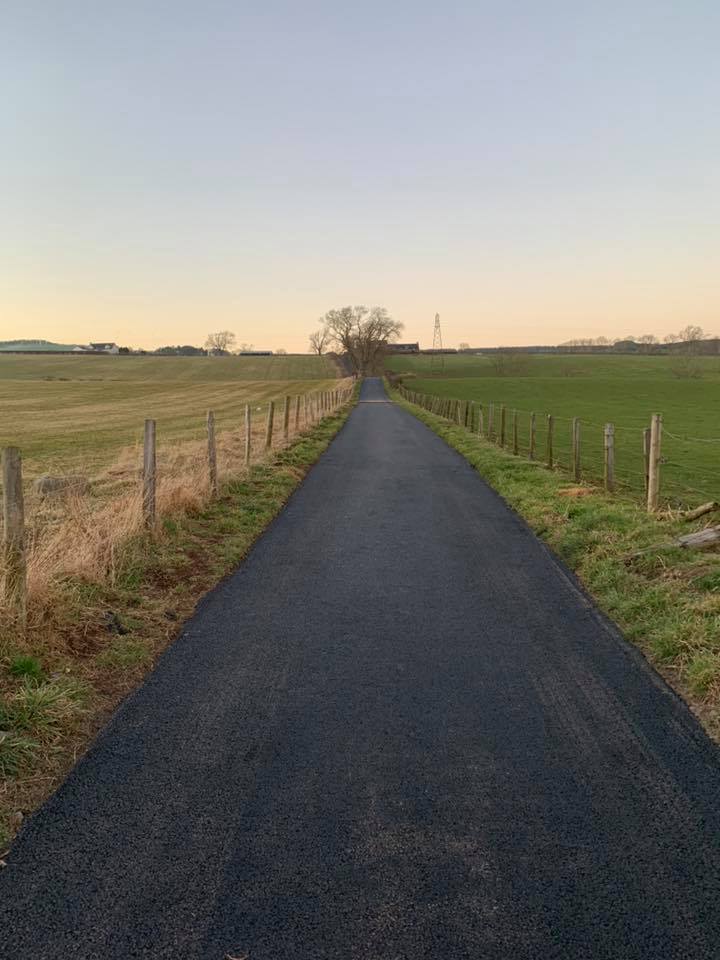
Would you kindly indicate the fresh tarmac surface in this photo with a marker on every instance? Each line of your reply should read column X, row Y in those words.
column 399, row 730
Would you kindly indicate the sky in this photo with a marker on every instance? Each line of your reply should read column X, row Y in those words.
column 531, row 171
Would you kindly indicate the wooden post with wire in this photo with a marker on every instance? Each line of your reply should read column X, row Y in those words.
column 286, row 419
column 502, row 425
column 490, row 424
column 533, row 437
column 609, row 447
column 248, row 434
column 576, row 448
column 480, row 424
column 549, row 443
column 15, row 585
column 212, row 455
column 516, row 444
column 297, row 414
column 149, row 472
column 269, row 425
column 654, row 472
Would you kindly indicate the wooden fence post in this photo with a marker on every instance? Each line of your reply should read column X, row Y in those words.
column 609, row 444
column 516, row 444
column 654, row 474
column 550, row 428
column 14, row 533
column 502, row 425
column 646, row 456
column 149, row 470
column 491, row 417
column 297, row 414
column 286, row 419
column 471, row 418
column 576, row 448
column 533, row 437
column 248, row 434
column 480, row 426
column 269, row 425
column 212, row 454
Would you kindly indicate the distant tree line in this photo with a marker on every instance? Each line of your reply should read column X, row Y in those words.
column 220, row 344
column 688, row 334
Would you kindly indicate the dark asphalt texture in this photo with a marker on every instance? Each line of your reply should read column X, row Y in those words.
column 399, row 730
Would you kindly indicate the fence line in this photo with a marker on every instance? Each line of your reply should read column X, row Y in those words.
column 14, row 568
column 588, row 450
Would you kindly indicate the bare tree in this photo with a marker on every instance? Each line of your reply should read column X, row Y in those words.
column 648, row 338
column 362, row 333
column 221, row 342
column 246, row 347
column 687, row 335
column 281, row 352
column 463, row 346
column 690, row 333
column 508, row 363
column 319, row 341
column 685, row 363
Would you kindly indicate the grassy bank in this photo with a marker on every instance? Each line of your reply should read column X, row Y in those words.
column 666, row 600
column 60, row 682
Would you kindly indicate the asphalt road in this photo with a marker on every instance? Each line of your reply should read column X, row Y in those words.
column 399, row 730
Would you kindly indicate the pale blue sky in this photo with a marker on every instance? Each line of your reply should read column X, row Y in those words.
column 533, row 171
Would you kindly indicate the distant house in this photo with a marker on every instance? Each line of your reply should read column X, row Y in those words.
column 403, row 348
column 105, row 348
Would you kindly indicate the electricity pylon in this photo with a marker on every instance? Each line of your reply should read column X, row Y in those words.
column 437, row 357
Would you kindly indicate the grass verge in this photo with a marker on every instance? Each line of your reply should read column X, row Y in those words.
column 665, row 600
column 59, row 684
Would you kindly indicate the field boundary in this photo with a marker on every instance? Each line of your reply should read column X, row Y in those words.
column 587, row 451
column 161, row 488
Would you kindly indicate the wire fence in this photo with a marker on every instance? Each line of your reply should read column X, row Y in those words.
column 66, row 526
column 673, row 471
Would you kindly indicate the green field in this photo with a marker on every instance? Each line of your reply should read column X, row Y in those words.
column 624, row 390
column 76, row 412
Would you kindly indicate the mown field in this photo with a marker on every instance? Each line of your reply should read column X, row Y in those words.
column 75, row 413
column 624, row 390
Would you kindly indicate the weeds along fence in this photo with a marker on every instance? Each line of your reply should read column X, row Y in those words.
column 63, row 526
column 649, row 463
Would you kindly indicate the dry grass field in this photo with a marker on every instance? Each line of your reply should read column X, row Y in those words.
column 77, row 413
